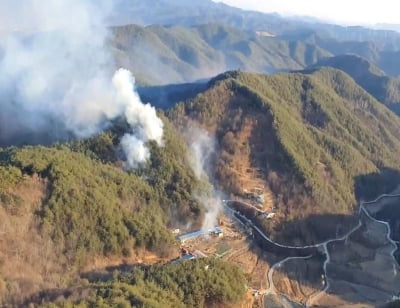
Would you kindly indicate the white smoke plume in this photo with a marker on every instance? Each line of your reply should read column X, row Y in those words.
column 202, row 150
column 135, row 150
column 56, row 76
column 141, row 117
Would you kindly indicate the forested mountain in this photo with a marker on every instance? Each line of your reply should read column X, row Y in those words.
column 320, row 140
column 384, row 56
column 251, row 41
column 162, row 55
column 75, row 202
column 384, row 88
column 315, row 141
column 293, row 112
column 171, row 286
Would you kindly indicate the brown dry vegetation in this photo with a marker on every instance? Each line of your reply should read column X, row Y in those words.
column 308, row 142
column 29, row 260
column 253, row 263
column 299, row 279
column 250, row 157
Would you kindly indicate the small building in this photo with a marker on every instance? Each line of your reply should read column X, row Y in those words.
column 260, row 199
column 191, row 236
column 217, row 232
column 188, row 257
column 269, row 215
column 184, row 258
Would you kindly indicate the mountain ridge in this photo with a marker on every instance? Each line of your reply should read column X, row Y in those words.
column 384, row 88
column 324, row 132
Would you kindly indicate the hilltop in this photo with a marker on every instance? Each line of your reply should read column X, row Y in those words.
column 72, row 205
column 312, row 143
column 384, row 88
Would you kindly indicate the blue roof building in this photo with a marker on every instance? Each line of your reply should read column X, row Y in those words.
column 193, row 235
column 184, row 258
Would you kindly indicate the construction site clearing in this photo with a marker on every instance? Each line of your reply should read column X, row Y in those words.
column 202, row 243
column 235, row 241
column 231, row 242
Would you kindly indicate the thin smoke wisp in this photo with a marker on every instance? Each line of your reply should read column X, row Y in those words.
column 202, row 150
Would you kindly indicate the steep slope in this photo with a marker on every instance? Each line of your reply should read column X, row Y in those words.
column 63, row 207
column 384, row 88
column 306, row 141
column 162, row 55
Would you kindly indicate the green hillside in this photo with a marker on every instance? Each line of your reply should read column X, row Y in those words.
column 385, row 89
column 316, row 137
column 314, row 142
column 161, row 55
column 381, row 47
column 67, row 205
column 200, row 283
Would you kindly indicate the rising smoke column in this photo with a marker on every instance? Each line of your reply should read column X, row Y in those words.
column 202, row 151
column 56, row 77
column 141, row 117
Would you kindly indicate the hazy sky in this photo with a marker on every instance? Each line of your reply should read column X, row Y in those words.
column 342, row 11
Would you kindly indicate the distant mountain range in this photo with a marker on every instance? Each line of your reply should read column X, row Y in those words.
column 188, row 13
column 394, row 27
column 160, row 55
column 178, row 41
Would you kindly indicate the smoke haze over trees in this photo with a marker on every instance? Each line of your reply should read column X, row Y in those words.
column 58, row 82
